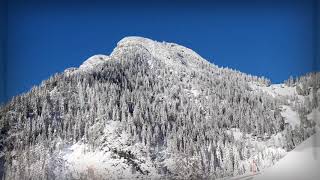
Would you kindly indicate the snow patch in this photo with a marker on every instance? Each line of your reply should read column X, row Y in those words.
column 80, row 159
column 291, row 117
column 195, row 92
column 315, row 116
column 237, row 134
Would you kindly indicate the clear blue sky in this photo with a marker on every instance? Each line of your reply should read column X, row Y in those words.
column 274, row 39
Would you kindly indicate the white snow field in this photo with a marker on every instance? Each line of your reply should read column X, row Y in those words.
column 301, row 163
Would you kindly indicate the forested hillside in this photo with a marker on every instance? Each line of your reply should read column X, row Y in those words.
column 153, row 110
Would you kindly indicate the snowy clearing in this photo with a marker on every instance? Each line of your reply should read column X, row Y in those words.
column 80, row 159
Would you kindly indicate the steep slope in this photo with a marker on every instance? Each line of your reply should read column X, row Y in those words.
column 301, row 163
column 149, row 110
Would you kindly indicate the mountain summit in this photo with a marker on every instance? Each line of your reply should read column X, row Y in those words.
column 153, row 110
column 170, row 54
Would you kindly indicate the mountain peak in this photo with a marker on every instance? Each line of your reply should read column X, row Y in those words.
column 135, row 40
column 169, row 53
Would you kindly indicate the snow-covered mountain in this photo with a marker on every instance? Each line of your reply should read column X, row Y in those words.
column 154, row 110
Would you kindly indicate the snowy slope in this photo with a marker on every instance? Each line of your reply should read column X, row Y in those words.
column 114, row 159
column 149, row 110
column 282, row 91
column 301, row 163
column 304, row 161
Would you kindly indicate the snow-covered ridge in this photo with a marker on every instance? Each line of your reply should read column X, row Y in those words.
column 169, row 53
column 93, row 61
column 155, row 47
